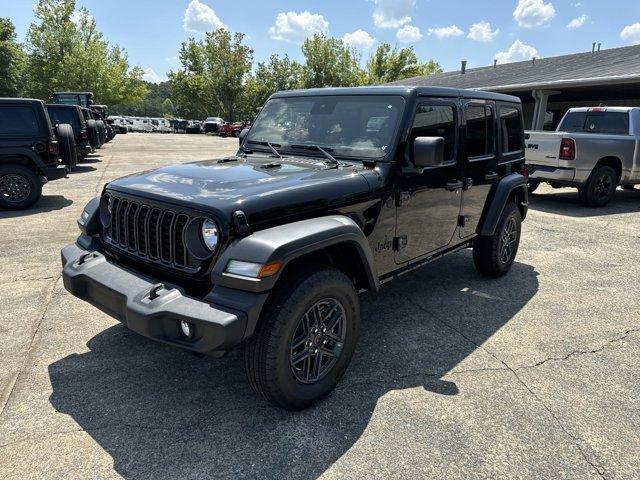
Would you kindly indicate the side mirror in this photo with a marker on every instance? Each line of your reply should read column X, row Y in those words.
column 243, row 134
column 428, row 152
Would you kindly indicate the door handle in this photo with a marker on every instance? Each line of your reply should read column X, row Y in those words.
column 491, row 176
column 454, row 185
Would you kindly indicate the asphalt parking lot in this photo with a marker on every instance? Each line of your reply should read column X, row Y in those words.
column 534, row 375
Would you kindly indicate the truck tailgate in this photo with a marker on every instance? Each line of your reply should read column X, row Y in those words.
column 542, row 148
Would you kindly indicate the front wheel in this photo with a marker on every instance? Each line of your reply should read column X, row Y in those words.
column 493, row 255
column 305, row 337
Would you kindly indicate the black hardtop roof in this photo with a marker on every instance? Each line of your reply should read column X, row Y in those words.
column 72, row 93
column 62, row 105
column 21, row 100
column 403, row 91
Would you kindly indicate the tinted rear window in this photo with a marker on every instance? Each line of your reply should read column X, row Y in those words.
column 511, row 126
column 616, row 123
column 62, row 115
column 18, row 120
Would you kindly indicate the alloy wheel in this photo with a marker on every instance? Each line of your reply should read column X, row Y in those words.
column 603, row 186
column 507, row 240
column 14, row 188
column 318, row 340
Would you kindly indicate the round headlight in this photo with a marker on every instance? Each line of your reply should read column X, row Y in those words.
column 210, row 234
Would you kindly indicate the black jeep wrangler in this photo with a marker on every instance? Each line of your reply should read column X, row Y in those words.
column 72, row 115
column 29, row 152
column 332, row 192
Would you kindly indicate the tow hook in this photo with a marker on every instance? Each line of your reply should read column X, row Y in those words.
column 153, row 293
column 86, row 257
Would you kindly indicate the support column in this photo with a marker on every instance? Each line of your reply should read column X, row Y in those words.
column 540, row 109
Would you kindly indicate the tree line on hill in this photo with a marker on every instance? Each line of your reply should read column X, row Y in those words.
column 64, row 51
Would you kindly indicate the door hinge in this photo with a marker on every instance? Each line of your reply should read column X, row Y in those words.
column 462, row 220
column 399, row 243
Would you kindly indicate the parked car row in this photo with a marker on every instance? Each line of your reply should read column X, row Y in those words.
column 41, row 142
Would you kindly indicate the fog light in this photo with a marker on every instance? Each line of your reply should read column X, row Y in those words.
column 187, row 329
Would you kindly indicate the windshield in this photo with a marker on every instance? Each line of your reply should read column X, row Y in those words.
column 351, row 126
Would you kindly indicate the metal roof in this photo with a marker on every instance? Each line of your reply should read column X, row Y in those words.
column 612, row 66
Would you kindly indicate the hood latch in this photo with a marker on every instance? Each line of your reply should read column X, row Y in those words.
column 240, row 223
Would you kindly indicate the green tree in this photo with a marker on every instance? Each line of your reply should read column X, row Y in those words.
column 213, row 75
column 330, row 63
column 67, row 52
column 11, row 60
column 167, row 108
column 389, row 65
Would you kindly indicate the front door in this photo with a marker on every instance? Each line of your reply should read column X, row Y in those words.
column 429, row 203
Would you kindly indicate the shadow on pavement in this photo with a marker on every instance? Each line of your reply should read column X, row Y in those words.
column 82, row 169
column 566, row 202
column 162, row 413
column 47, row 203
column 90, row 159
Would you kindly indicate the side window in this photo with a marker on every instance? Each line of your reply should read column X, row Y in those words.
column 18, row 120
column 479, row 131
column 436, row 121
column 511, row 129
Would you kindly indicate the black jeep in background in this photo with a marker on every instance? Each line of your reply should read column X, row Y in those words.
column 96, row 135
column 332, row 192
column 72, row 115
column 29, row 152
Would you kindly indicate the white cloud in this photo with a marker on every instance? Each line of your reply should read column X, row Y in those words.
column 392, row 13
column 200, row 18
column 482, row 32
column 444, row 32
column 359, row 40
column 151, row 76
column 533, row 13
column 517, row 52
column 295, row 27
column 409, row 34
column 631, row 33
column 577, row 22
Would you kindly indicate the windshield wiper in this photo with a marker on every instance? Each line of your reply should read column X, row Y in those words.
column 272, row 146
column 330, row 158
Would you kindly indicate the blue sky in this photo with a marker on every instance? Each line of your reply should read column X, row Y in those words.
column 447, row 31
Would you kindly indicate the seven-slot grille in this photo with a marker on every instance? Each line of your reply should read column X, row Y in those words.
column 149, row 231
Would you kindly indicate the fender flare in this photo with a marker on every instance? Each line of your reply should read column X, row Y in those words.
column 24, row 152
column 285, row 243
column 497, row 200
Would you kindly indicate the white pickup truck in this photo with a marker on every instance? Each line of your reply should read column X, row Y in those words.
column 594, row 149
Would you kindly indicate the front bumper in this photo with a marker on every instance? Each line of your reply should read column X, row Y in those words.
column 127, row 297
column 544, row 173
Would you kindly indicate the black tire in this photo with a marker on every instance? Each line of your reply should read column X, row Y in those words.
column 628, row 187
column 20, row 187
column 94, row 136
column 492, row 255
column 67, row 145
column 102, row 132
column 532, row 185
column 600, row 187
column 269, row 355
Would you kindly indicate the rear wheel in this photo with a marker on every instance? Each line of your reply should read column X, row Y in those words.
column 305, row 338
column 20, row 187
column 493, row 255
column 600, row 188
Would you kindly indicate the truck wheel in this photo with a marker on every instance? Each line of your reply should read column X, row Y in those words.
column 304, row 339
column 600, row 188
column 20, row 187
column 493, row 255
column 532, row 185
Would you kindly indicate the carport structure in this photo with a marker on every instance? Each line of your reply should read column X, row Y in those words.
column 550, row 86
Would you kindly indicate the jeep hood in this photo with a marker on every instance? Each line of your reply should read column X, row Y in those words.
column 255, row 185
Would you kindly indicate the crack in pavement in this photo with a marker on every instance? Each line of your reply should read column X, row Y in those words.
column 573, row 439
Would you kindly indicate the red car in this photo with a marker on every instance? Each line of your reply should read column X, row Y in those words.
column 233, row 129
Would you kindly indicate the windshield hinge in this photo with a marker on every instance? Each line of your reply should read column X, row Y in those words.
column 240, row 223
